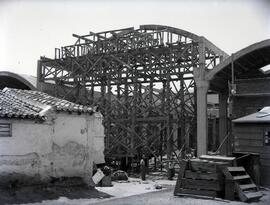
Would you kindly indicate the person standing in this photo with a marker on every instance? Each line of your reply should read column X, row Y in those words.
column 143, row 169
column 171, row 171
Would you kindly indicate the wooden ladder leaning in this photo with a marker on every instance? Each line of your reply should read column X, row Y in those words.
column 241, row 183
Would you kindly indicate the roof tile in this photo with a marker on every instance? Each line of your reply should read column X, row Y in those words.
column 15, row 103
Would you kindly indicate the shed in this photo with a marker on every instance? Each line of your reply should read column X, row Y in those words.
column 43, row 137
column 252, row 135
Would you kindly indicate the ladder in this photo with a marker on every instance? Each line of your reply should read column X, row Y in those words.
column 244, row 186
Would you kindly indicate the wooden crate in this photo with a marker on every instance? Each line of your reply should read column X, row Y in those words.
column 201, row 177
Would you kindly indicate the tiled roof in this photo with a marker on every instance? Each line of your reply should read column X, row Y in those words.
column 15, row 103
column 13, row 107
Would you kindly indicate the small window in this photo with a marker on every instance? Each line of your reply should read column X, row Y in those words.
column 267, row 138
column 5, row 130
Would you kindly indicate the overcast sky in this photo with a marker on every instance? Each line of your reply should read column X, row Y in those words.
column 30, row 29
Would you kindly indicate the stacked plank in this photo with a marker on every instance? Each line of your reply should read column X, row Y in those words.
column 200, row 177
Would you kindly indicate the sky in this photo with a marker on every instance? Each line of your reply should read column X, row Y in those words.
column 30, row 29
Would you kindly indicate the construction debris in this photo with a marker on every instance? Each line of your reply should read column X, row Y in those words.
column 119, row 175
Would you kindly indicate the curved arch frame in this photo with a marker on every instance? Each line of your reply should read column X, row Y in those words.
column 239, row 54
column 188, row 34
column 19, row 78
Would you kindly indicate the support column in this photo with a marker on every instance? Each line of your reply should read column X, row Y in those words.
column 39, row 75
column 202, row 125
column 182, row 116
column 202, row 86
column 214, row 134
column 223, row 126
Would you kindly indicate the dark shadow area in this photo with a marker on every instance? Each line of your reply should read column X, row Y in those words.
column 19, row 81
column 51, row 191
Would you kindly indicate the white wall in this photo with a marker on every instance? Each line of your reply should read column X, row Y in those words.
column 97, row 131
column 66, row 145
column 21, row 153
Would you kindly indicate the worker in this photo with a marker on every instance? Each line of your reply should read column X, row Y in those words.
column 171, row 171
column 143, row 169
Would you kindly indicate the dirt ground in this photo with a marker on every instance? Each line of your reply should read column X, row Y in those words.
column 41, row 193
column 61, row 193
column 165, row 197
column 132, row 192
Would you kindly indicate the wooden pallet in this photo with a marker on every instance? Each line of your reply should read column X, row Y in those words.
column 239, row 181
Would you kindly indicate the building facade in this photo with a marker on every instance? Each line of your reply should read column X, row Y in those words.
column 43, row 137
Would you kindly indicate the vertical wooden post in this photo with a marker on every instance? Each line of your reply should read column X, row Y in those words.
column 133, row 117
column 175, row 131
column 92, row 91
column 229, row 185
column 187, row 132
column 150, row 97
column 126, row 112
column 202, row 125
column 162, row 134
column 39, row 75
column 108, row 111
column 182, row 118
column 202, row 88
column 167, row 107
column 214, row 134
column 223, row 127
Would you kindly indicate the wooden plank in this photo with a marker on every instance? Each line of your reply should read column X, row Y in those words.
column 265, row 176
column 201, row 184
column 240, row 148
column 4, row 129
column 241, row 177
column 253, row 195
column 203, row 166
column 248, row 142
column 256, row 128
column 236, row 169
column 198, row 192
column 206, row 166
column 265, row 156
column 183, row 166
column 249, row 135
column 229, row 185
column 265, row 150
column 217, row 158
column 4, row 125
column 247, row 186
column 265, row 162
column 200, row 175
column 203, row 197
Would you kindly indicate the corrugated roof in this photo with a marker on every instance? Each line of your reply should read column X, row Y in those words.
column 263, row 116
column 15, row 103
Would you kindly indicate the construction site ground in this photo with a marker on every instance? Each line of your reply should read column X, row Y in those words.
column 132, row 192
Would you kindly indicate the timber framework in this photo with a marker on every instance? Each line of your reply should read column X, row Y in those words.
column 145, row 81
